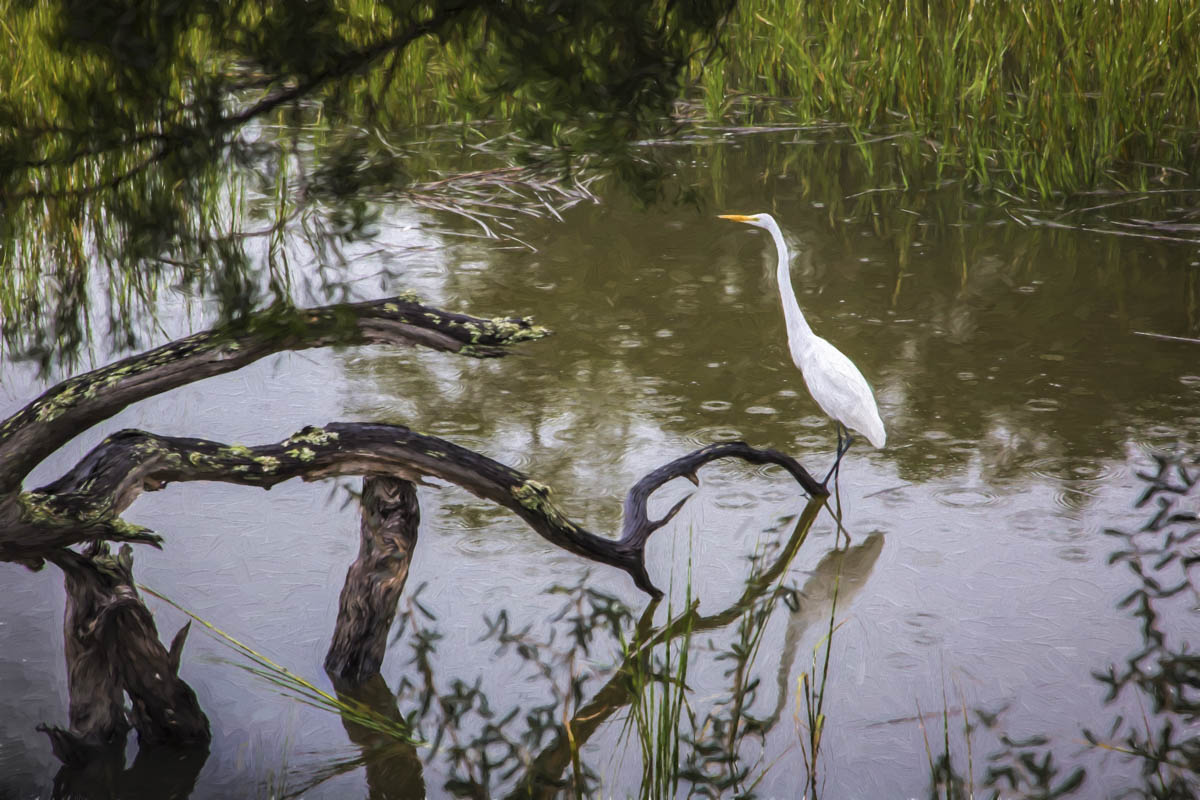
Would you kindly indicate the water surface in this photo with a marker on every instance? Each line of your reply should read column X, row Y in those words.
column 1019, row 400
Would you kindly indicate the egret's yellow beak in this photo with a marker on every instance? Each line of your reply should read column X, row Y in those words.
column 734, row 217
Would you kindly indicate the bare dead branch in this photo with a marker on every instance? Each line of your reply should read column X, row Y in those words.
column 86, row 503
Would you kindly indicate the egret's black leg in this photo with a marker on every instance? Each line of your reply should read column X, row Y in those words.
column 837, row 457
column 837, row 426
column 842, row 446
column 837, row 516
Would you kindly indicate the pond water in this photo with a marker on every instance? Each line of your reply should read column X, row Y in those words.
column 1020, row 405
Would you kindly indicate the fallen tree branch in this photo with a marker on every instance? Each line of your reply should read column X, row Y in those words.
column 63, row 411
column 86, row 503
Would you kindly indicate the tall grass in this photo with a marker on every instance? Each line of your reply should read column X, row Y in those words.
column 945, row 781
column 1043, row 97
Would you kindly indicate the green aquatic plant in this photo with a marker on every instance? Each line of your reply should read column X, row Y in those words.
column 1165, row 673
column 811, row 694
column 1159, row 679
column 946, row 783
column 659, row 691
column 292, row 684
column 720, row 757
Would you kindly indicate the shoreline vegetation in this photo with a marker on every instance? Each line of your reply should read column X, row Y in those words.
column 1069, row 116
column 1038, row 99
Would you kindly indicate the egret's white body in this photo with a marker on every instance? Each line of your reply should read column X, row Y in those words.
column 832, row 379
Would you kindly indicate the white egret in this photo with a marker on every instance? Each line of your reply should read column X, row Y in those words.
column 833, row 381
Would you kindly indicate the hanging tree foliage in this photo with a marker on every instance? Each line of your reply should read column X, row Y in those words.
column 145, row 135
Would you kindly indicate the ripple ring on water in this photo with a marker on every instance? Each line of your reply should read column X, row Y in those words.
column 963, row 497
column 1074, row 498
column 761, row 410
column 714, row 433
column 734, row 501
column 1042, row 404
column 1077, row 555
column 484, row 545
column 1066, row 469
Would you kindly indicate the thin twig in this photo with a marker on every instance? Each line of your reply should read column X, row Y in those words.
column 1167, row 337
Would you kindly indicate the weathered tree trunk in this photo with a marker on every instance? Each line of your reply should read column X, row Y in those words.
column 375, row 580
column 112, row 649
column 97, row 699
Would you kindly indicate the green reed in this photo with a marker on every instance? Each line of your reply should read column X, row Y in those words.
column 658, row 697
column 1041, row 97
column 811, row 696
column 293, row 685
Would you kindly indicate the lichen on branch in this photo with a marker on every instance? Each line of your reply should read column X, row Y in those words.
column 65, row 410
column 85, row 504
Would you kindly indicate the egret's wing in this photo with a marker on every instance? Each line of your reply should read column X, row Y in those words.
column 841, row 390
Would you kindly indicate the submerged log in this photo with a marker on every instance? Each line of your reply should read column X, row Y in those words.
column 375, row 581
column 96, row 711
column 157, row 772
column 392, row 765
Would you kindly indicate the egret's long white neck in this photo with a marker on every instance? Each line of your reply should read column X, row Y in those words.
column 798, row 330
